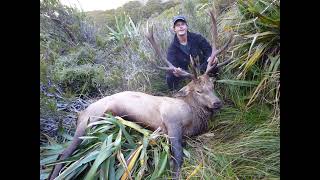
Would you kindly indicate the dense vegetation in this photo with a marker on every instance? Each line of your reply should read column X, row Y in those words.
column 84, row 57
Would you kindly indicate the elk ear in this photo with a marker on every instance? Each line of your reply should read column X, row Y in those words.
column 183, row 92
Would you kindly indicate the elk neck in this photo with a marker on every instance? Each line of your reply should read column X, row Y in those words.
column 201, row 115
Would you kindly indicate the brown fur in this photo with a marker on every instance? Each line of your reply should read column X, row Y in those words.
column 200, row 119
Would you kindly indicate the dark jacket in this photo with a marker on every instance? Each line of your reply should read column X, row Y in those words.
column 199, row 46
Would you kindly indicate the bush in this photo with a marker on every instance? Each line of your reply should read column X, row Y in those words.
column 243, row 142
column 83, row 79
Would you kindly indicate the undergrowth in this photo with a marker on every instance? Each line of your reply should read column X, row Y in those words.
column 78, row 61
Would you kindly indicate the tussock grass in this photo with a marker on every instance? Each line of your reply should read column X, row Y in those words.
column 243, row 140
column 234, row 150
column 113, row 148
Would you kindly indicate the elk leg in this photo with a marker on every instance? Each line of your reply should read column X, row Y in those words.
column 175, row 136
column 83, row 119
column 80, row 131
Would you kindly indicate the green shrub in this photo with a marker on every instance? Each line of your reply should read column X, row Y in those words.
column 43, row 71
column 243, row 142
column 83, row 79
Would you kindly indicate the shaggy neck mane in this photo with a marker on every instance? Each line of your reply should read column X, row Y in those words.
column 201, row 115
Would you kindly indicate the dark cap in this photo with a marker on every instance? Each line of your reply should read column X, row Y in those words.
column 179, row 17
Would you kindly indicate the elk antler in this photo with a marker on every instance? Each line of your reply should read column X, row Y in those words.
column 155, row 46
column 215, row 52
column 193, row 67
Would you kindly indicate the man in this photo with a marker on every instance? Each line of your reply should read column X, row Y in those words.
column 184, row 44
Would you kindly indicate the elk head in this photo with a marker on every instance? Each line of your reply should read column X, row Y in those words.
column 202, row 91
column 201, row 88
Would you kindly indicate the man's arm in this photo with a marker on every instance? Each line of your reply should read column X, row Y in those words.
column 171, row 55
column 172, row 59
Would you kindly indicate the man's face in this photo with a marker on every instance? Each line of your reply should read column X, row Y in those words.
column 180, row 28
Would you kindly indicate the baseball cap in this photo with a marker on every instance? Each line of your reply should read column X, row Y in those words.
column 179, row 17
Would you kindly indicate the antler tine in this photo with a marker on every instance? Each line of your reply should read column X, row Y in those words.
column 193, row 67
column 215, row 52
column 170, row 67
column 156, row 47
column 224, row 47
column 214, row 32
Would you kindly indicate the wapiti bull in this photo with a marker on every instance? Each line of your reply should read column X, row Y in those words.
column 185, row 114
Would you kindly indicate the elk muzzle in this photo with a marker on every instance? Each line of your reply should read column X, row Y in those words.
column 216, row 105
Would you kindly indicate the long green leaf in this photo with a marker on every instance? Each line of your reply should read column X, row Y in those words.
column 112, row 173
column 77, row 164
column 102, row 129
column 49, row 159
column 267, row 20
column 238, row 82
column 104, row 172
column 131, row 162
column 52, row 147
column 134, row 126
column 127, row 136
column 266, row 33
column 106, row 122
column 117, row 142
column 252, row 43
column 255, row 57
column 275, row 67
column 88, row 137
column 163, row 162
column 67, row 160
column 76, row 173
column 105, row 152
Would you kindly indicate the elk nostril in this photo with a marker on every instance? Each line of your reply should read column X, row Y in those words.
column 217, row 104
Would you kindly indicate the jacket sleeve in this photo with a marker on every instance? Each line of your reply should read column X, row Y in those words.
column 206, row 49
column 171, row 55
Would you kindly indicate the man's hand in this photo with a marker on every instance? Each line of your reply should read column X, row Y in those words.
column 177, row 72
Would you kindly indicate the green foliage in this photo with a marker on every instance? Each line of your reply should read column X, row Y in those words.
column 125, row 29
column 152, row 7
column 111, row 146
column 62, row 29
column 64, row 24
column 257, row 52
column 48, row 106
column 243, row 141
column 134, row 10
column 243, row 145
column 43, row 70
column 82, row 79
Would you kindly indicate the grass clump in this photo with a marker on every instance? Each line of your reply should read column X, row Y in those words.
column 236, row 150
column 113, row 148
column 243, row 140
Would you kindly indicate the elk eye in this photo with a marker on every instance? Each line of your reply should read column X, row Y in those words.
column 199, row 91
